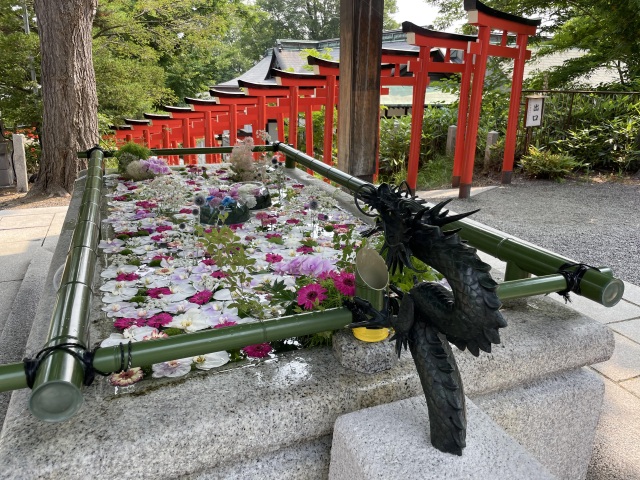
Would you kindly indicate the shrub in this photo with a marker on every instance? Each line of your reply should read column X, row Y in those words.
column 130, row 152
column 545, row 164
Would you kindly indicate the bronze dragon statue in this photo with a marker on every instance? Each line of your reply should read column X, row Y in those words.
column 430, row 316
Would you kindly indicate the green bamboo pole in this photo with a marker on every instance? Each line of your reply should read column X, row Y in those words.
column 161, row 152
column 600, row 287
column 57, row 389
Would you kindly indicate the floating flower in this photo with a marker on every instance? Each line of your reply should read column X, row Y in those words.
column 173, row 368
column 191, row 321
column 211, row 360
column 155, row 335
column 160, row 320
column 260, row 350
column 202, row 297
column 273, row 258
column 126, row 378
column 311, row 296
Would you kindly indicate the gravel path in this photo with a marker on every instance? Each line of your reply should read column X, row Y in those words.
column 593, row 223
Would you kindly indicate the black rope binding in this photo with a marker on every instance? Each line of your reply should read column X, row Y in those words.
column 80, row 353
column 573, row 273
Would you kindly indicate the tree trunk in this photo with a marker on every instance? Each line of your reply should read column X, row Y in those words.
column 70, row 102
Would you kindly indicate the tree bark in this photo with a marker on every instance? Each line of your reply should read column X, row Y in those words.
column 70, row 102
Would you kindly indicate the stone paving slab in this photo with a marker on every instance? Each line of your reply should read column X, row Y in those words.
column 23, row 234
column 625, row 362
column 15, row 258
column 628, row 328
column 8, row 291
column 632, row 385
column 32, row 211
column 631, row 293
column 624, row 310
column 26, row 221
column 616, row 452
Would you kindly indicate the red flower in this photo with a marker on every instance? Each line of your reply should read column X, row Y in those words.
column 273, row 258
column 127, row 277
column 202, row 297
column 260, row 350
column 311, row 296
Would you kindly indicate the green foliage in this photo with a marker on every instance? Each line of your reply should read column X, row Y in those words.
column 605, row 30
column 541, row 163
column 312, row 52
column 130, row 152
column 609, row 145
column 20, row 102
column 226, row 248
column 310, row 20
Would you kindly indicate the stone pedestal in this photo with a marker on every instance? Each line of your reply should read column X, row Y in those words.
column 392, row 441
column 361, row 356
column 6, row 169
column 20, row 163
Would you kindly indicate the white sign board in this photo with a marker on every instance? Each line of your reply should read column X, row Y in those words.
column 534, row 111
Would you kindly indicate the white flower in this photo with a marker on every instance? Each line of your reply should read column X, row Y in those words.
column 191, row 321
column 211, row 360
column 173, row 368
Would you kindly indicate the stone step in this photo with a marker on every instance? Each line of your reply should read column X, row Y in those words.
column 14, row 335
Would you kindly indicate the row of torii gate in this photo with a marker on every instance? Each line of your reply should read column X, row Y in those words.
column 296, row 93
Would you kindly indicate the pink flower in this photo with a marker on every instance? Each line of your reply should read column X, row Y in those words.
column 293, row 221
column 163, row 228
column 126, row 378
column 208, row 261
column 345, row 283
column 311, row 296
column 122, row 323
column 158, row 292
column 272, row 235
column 122, row 277
column 226, row 323
column 304, row 250
column 273, row 258
column 202, row 297
column 260, row 350
column 159, row 320
column 219, row 274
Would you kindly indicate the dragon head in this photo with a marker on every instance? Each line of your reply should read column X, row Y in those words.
column 399, row 214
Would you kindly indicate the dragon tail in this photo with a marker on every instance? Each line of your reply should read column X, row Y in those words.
column 442, row 385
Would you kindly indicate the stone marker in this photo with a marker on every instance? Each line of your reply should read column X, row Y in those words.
column 20, row 163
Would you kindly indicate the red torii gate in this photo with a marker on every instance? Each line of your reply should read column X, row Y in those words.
column 331, row 70
column 302, row 80
column 427, row 40
column 486, row 19
column 284, row 97
column 476, row 51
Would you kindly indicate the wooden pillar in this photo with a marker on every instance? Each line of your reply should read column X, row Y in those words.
column 359, row 105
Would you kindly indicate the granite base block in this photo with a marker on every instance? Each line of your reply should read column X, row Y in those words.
column 392, row 442
column 209, row 422
column 553, row 419
column 361, row 356
column 309, row 461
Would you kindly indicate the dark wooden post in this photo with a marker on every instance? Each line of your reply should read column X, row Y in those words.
column 359, row 105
